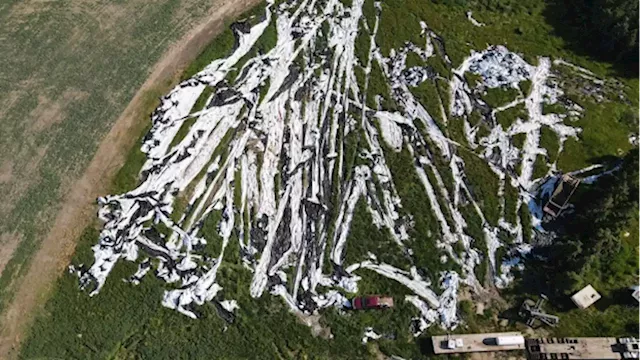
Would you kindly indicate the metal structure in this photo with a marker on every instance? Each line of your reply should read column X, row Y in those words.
column 629, row 347
column 561, row 195
column 582, row 348
column 577, row 348
column 532, row 311
column 466, row 343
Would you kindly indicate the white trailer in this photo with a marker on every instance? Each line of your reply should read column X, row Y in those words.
column 510, row 340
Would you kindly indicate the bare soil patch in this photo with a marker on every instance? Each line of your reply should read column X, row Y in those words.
column 78, row 207
column 50, row 112
column 6, row 171
column 8, row 244
column 15, row 173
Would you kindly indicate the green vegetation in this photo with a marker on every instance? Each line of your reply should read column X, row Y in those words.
column 519, row 139
column 209, row 231
column 223, row 45
column 526, row 26
column 438, row 64
column 509, row 116
column 416, row 201
column 615, row 321
column 474, row 229
column 347, row 327
column 484, row 186
column 510, row 203
column 472, row 79
column 369, row 13
column 604, row 28
column 593, row 248
column 478, row 323
column 364, row 237
column 549, row 140
column 396, row 27
column 413, row 59
column 379, row 86
column 266, row 42
column 128, row 176
column 126, row 321
column 496, row 97
column 556, row 108
column 525, row 87
column 363, row 41
column 455, row 130
column 525, row 220
column 427, row 94
column 540, row 167
column 606, row 127
column 597, row 245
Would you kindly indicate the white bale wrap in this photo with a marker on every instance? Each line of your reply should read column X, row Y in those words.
column 509, row 340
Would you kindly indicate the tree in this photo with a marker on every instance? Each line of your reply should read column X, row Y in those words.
column 590, row 248
column 607, row 28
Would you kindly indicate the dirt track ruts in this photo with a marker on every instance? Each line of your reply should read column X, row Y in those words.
column 78, row 208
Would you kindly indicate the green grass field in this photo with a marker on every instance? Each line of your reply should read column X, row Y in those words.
column 128, row 322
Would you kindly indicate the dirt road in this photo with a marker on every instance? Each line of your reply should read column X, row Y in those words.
column 78, row 209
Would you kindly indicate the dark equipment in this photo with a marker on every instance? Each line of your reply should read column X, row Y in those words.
column 532, row 311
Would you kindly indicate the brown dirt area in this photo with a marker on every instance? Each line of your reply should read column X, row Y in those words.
column 49, row 112
column 6, row 171
column 8, row 244
column 25, row 175
column 78, row 208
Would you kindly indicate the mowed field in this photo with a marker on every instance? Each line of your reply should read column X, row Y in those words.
column 69, row 70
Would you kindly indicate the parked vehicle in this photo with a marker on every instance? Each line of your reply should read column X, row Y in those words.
column 371, row 302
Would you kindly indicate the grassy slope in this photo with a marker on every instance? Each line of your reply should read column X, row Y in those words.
column 126, row 321
column 525, row 32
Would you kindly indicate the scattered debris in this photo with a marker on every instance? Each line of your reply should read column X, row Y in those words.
column 532, row 312
column 582, row 348
column 561, row 195
column 369, row 334
column 473, row 21
column 266, row 157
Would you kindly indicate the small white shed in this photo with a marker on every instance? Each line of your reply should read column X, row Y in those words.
column 586, row 297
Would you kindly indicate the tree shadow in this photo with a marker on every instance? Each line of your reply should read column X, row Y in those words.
column 620, row 296
column 563, row 17
column 426, row 346
column 540, row 277
column 608, row 161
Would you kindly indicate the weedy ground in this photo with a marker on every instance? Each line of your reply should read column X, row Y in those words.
column 125, row 322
